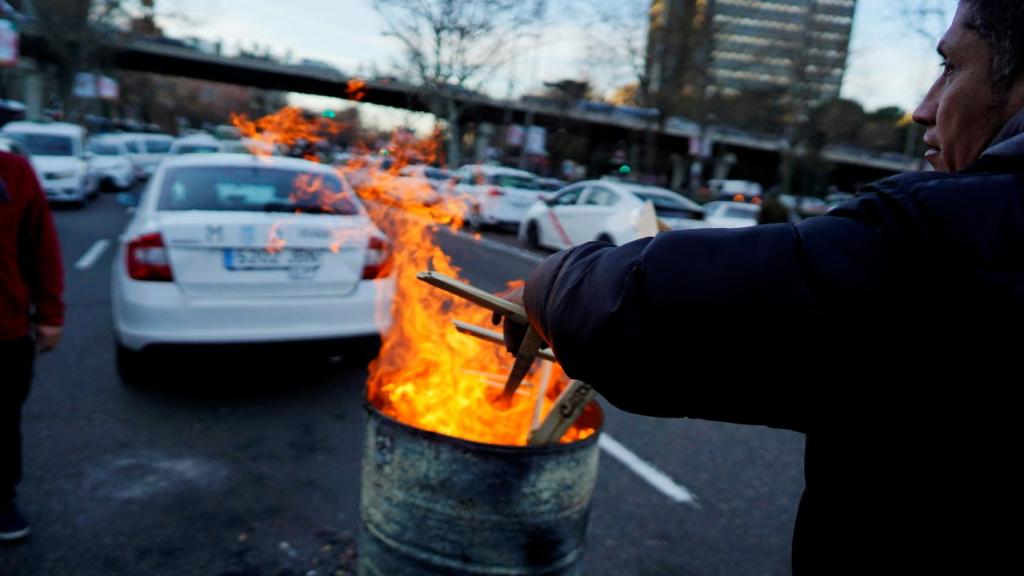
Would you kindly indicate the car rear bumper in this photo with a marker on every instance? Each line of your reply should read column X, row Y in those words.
column 158, row 313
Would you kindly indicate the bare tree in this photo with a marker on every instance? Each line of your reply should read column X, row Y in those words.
column 453, row 46
column 927, row 18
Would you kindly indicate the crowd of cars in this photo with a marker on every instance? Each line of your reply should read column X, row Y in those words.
column 224, row 247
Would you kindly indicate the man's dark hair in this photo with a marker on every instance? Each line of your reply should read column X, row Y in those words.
column 1001, row 24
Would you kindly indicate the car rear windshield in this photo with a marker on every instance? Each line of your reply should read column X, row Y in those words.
column 158, row 146
column 512, row 181
column 44, row 144
column 254, row 189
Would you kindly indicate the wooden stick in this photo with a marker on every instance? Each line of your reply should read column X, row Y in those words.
column 567, row 409
column 542, row 391
column 475, row 295
column 495, row 338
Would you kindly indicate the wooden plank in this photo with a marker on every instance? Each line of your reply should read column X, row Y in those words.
column 475, row 295
column 566, row 410
column 496, row 338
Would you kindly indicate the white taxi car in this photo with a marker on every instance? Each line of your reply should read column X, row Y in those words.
column 606, row 210
column 234, row 248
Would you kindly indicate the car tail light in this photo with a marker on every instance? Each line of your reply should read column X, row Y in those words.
column 495, row 192
column 378, row 259
column 148, row 259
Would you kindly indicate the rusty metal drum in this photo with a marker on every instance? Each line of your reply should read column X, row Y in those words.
column 433, row 504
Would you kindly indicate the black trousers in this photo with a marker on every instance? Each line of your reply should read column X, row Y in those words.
column 16, row 360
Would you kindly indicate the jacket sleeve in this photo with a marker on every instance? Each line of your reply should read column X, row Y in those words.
column 42, row 265
column 693, row 323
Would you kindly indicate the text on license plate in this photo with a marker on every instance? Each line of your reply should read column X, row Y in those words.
column 256, row 259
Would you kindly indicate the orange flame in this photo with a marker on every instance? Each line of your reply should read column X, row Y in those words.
column 428, row 375
column 289, row 127
column 356, row 89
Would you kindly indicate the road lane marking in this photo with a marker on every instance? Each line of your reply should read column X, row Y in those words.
column 656, row 478
column 499, row 246
column 92, row 254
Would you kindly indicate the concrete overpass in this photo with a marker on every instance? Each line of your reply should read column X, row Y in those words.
column 150, row 56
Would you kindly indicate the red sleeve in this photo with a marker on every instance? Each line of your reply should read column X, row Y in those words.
column 44, row 268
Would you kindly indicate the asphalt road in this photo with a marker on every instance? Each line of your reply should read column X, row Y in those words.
column 249, row 463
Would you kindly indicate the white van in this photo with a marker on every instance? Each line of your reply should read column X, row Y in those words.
column 60, row 158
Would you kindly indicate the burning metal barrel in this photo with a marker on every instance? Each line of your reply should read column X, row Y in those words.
column 435, row 504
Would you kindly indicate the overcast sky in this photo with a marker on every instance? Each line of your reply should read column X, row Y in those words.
column 890, row 63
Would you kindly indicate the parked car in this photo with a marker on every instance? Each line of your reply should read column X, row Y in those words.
column 497, row 196
column 195, row 144
column 60, row 158
column 603, row 210
column 230, row 248
column 731, row 214
column 438, row 178
column 111, row 165
column 145, row 150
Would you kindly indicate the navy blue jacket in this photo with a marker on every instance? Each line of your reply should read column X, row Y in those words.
column 888, row 332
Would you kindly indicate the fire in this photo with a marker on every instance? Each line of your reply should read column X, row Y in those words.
column 428, row 375
column 288, row 127
column 356, row 89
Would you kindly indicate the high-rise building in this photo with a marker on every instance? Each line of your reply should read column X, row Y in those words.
column 730, row 46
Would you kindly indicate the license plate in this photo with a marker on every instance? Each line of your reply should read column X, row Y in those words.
column 298, row 261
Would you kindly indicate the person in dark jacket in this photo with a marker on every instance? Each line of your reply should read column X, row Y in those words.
column 31, row 314
column 903, row 306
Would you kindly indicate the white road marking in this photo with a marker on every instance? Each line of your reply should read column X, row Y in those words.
column 656, row 478
column 92, row 254
column 500, row 246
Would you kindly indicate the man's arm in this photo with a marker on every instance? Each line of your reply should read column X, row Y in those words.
column 709, row 323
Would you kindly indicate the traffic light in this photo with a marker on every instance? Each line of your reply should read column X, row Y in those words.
column 329, row 114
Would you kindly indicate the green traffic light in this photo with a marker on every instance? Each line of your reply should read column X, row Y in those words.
column 329, row 114
column 625, row 170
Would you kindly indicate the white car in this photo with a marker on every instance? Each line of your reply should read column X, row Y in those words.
column 111, row 165
column 60, row 158
column 231, row 248
column 606, row 210
column 195, row 144
column 497, row 195
column 146, row 150
column 731, row 214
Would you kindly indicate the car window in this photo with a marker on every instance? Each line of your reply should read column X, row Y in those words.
column 101, row 148
column 568, row 197
column 133, row 146
column 514, row 181
column 158, row 146
column 44, row 144
column 254, row 189
column 601, row 196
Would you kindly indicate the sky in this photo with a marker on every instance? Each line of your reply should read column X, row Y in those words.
column 890, row 63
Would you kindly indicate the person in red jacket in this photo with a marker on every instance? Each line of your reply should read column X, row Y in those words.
column 31, row 314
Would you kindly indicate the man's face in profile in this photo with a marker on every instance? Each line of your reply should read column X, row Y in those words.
column 964, row 109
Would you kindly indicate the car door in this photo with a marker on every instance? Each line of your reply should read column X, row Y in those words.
column 561, row 214
column 592, row 213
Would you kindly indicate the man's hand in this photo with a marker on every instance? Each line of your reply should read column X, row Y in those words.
column 47, row 337
column 514, row 331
